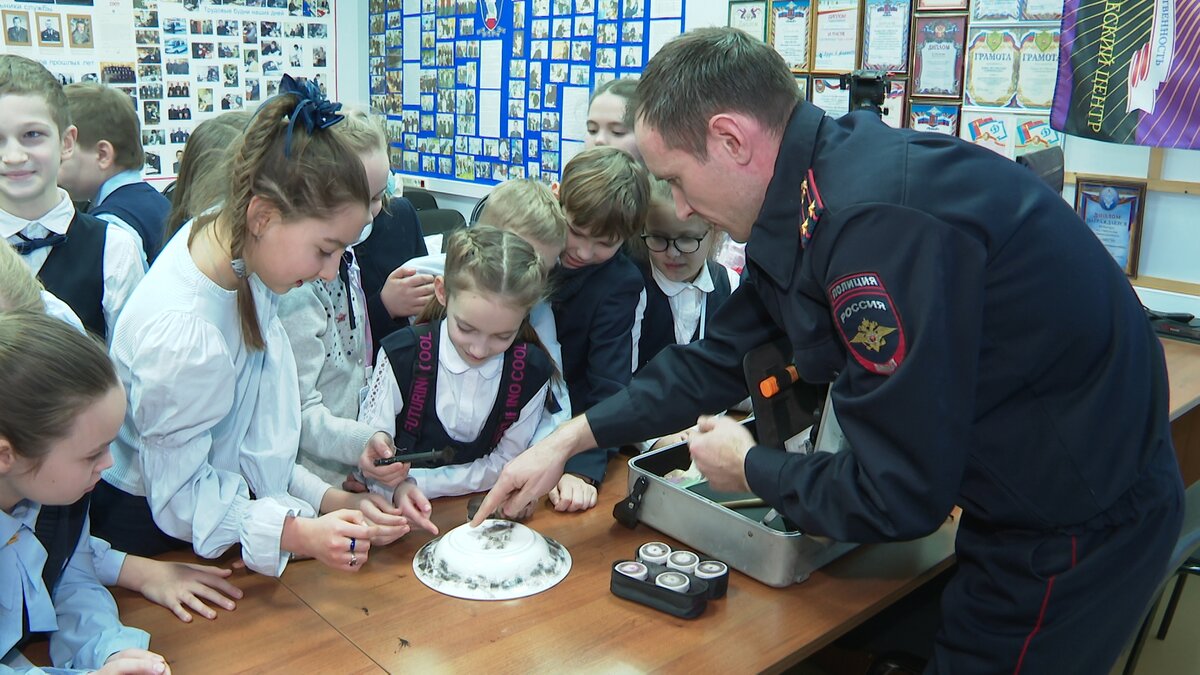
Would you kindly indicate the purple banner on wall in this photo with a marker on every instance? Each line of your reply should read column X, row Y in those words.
column 1129, row 72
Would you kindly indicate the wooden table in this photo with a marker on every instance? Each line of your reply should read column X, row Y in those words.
column 271, row 630
column 580, row 626
column 1183, row 371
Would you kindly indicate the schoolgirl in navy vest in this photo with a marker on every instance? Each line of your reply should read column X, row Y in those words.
column 55, row 427
column 470, row 376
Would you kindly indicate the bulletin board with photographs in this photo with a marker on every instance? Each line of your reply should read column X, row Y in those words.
column 482, row 91
column 187, row 62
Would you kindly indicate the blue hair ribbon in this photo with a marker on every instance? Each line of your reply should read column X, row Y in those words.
column 313, row 109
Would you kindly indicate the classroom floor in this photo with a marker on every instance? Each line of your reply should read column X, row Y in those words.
column 1179, row 653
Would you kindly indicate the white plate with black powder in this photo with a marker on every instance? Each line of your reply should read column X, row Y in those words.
column 499, row 560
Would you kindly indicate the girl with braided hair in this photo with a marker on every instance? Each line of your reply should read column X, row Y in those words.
column 469, row 378
column 206, row 456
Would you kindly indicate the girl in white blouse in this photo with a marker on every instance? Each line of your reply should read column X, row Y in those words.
column 60, row 406
column 470, row 378
column 207, row 453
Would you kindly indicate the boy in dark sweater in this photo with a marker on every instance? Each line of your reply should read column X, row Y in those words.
column 597, row 296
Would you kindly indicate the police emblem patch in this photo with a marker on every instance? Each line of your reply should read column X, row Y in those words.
column 868, row 321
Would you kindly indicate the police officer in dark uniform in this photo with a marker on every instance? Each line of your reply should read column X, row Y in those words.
column 984, row 350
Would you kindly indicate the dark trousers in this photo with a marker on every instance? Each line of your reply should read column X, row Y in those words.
column 1069, row 602
column 125, row 521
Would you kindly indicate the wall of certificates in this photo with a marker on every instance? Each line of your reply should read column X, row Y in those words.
column 182, row 61
column 487, row 90
column 980, row 69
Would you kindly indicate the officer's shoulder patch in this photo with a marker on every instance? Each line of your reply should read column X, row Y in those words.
column 868, row 321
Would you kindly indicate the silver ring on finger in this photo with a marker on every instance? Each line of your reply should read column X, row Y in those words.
column 353, row 559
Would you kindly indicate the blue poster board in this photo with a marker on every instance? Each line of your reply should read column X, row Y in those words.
column 481, row 91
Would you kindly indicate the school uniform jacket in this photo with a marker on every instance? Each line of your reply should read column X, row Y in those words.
column 983, row 347
column 594, row 309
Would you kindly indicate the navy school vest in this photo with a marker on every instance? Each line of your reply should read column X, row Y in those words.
column 58, row 529
column 74, row 271
column 144, row 209
column 658, row 323
column 413, row 354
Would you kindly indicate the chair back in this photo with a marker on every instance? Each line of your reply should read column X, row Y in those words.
column 421, row 199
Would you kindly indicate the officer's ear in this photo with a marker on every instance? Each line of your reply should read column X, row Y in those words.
column 732, row 135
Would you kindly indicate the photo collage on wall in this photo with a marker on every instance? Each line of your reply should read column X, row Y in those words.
column 981, row 69
column 487, row 90
column 182, row 61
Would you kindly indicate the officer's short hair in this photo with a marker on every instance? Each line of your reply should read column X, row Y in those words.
column 709, row 71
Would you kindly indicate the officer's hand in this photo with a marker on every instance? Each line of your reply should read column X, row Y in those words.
column 719, row 446
column 534, row 472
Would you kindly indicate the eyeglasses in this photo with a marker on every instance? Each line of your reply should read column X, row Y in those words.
column 682, row 244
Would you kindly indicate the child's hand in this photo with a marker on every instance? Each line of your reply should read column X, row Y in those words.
column 330, row 538
column 178, row 586
column 135, row 662
column 414, row 505
column 379, row 446
column 573, row 494
column 405, row 293
column 386, row 522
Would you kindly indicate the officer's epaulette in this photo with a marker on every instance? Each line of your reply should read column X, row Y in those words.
column 811, row 208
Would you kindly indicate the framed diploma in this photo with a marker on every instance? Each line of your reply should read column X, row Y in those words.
column 750, row 17
column 790, row 37
column 941, row 5
column 1041, row 10
column 992, row 61
column 934, row 117
column 802, row 85
column 895, row 104
column 937, row 67
column 996, row 10
column 836, row 35
column 1113, row 211
column 1038, row 71
column 885, row 35
column 828, row 95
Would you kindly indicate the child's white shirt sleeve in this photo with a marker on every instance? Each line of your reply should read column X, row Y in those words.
column 181, row 386
column 384, row 400
column 124, row 268
column 306, row 320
